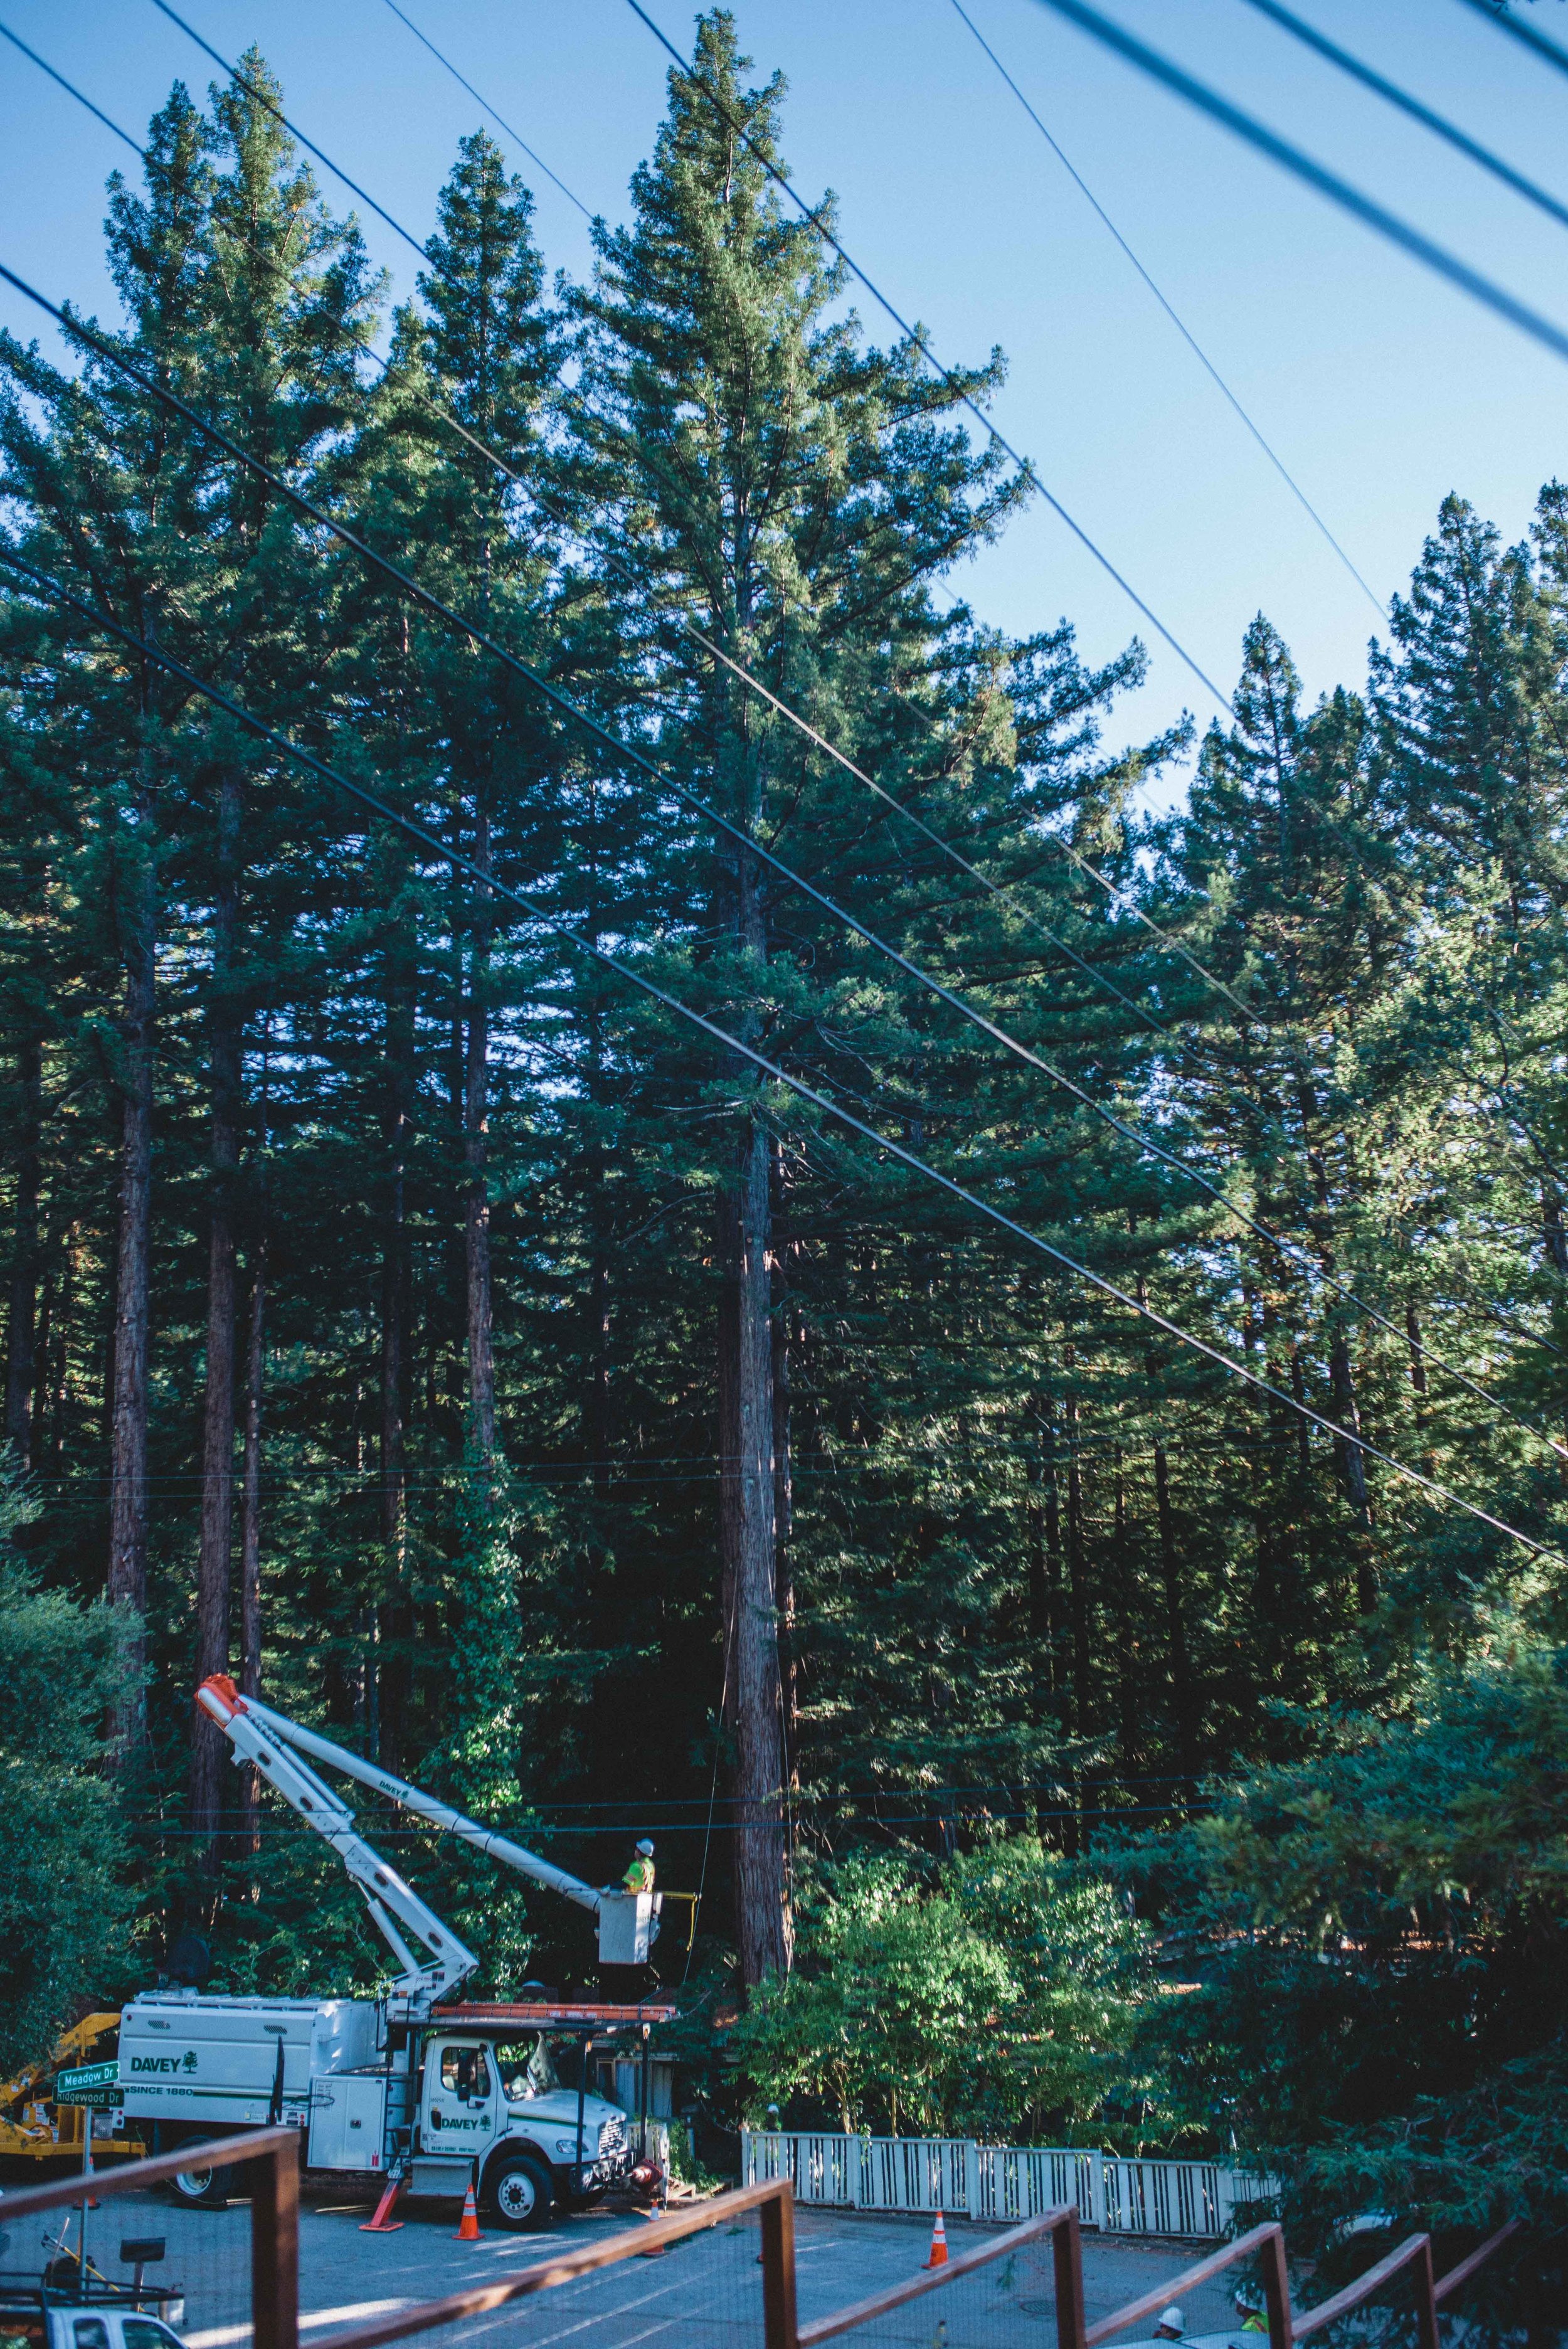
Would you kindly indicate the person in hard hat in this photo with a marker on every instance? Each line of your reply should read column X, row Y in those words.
column 639, row 1876
column 1170, row 2325
column 1250, row 2309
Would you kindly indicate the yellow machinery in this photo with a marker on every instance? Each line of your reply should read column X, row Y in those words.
column 33, row 2127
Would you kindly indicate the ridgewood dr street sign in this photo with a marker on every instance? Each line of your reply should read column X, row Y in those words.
column 95, row 2086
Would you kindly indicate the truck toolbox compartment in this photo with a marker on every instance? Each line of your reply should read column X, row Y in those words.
column 348, row 2121
column 436, row 2173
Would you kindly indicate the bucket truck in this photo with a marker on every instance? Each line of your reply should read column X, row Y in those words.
column 404, row 2085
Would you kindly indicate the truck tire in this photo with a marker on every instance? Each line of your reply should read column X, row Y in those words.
column 518, row 2193
column 202, row 2189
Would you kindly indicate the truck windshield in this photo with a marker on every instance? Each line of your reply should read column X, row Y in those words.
column 465, row 2072
column 526, row 2068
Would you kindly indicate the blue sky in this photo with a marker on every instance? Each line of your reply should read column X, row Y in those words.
column 1381, row 389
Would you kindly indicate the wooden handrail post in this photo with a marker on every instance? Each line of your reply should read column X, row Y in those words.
column 1067, row 2251
column 274, row 2246
column 778, row 2268
column 1425, row 2298
column 1276, row 2290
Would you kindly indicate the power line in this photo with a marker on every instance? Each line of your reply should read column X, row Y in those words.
column 1091, row 971
column 515, row 136
column 1503, row 19
column 44, row 67
column 1292, row 158
column 1011, row 1043
column 1438, row 124
column 254, row 91
column 698, row 635
column 813, row 733
column 814, row 221
column 743, row 839
column 885, row 1143
column 1200, row 354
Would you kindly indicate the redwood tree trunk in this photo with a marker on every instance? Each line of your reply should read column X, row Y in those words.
column 1184, row 1706
column 214, row 1561
column 21, row 1364
column 747, row 1538
column 128, row 1417
column 396, row 1629
column 476, row 1122
column 251, row 1533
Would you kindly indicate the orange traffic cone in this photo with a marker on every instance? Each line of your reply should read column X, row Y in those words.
column 469, row 2232
column 938, row 2245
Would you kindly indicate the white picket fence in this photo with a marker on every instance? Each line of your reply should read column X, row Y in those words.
column 1003, row 2182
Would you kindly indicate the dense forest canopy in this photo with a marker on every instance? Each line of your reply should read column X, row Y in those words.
column 480, row 1362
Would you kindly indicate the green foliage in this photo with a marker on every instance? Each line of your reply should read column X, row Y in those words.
column 65, row 1908
column 1378, row 1933
column 992, row 1997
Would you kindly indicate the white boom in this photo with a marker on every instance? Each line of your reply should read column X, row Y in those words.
column 626, row 1919
column 263, row 1738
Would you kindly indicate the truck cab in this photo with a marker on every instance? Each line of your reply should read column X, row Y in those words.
column 478, row 2105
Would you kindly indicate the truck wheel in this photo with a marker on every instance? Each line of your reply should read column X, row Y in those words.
column 202, row 2188
column 520, row 2193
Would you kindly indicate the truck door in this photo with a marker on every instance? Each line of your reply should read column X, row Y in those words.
column 460, row 2108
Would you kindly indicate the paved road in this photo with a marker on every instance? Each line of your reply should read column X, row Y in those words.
column 707, row 2288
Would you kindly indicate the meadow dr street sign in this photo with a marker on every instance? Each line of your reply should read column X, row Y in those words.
column 95, row 2086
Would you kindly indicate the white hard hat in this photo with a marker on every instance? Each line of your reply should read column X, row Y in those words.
column 647, row 1847
column 1170, row 2320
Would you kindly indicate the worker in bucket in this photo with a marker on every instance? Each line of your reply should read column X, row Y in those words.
column 639, row 1876
column 1170, row 2325
column 1250, row 2309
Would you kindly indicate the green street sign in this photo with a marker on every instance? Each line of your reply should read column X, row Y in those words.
column 95, row 2086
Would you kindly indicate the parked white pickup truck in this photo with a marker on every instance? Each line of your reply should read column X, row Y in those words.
column 428, row 2103
column 35, row 2317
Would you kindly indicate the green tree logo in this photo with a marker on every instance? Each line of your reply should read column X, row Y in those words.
column 190, row 2062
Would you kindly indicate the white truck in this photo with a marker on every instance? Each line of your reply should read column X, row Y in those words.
column 41, row 2320
column 400, row 2086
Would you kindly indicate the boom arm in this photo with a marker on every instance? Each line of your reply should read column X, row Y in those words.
column 263, row 1737
column 412, row 1798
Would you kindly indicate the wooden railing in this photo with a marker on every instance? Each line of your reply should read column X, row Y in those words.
column 774, row 2203
column 1265, row 2243
column 1061, row 2224
column 272, row 2157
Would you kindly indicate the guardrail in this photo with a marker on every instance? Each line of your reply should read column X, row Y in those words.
column 998, row 2182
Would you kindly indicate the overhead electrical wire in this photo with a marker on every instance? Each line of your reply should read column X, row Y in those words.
column 738, row 668
column 1391, row 93
column 632, row 755
column 1285, row 1247
column 1141, row 1141
column 1005, row 892
column 321, row 155
column 640, row 979
column 44, row 67
column 1193, row 345
column 515, row 136
column 814, row 221
column 1292, row 159
column 260, row 94
column 1505, row 21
